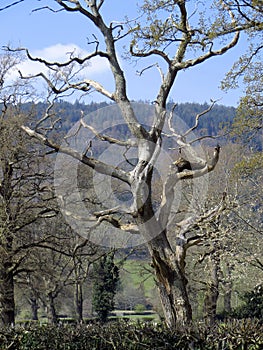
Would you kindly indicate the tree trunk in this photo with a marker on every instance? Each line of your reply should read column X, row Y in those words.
column 172, row 285
column 168, row 264
column 227, row 298
column 51, row 310
column 228, row 289
column 7, row 294
column 79, row 302
column 34, row 308
column 212, row 292
column 7, row 300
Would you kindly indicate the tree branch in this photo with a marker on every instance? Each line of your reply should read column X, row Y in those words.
column 197, row 117
column 74, row 59
column 149, row 53
column 199, row 220
column 174, row 176
column 10, row 5
column 100, row 167
column 127, row 143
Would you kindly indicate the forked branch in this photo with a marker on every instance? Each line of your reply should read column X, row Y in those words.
column 175, row 175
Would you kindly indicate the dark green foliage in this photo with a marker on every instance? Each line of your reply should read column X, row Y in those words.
column 234, row 335
column 106, row 278
column 209, row 124
column 70, row 113
column 253, row 304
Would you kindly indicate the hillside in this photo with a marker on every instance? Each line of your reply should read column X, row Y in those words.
column 210, row 123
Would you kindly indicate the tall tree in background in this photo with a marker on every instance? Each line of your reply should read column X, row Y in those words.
column 25, row 196
column 247, row 126
column 175, row 36
column 248, row 69
column 105, row 283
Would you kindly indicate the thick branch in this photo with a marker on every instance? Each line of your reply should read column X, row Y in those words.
column 99, row 166
column 209, row 54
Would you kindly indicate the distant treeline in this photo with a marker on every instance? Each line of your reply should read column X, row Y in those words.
column 209, row 124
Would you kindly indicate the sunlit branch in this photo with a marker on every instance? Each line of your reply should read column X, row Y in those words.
column 151, row 66
column 174, row 176
column 198, row 117
column 199, row 220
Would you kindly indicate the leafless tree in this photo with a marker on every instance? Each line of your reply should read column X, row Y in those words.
column 183, row 39
column 25, row 183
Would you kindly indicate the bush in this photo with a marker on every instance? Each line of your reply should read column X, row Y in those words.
column 139, row 308
column 235, row 335
column 253, row 304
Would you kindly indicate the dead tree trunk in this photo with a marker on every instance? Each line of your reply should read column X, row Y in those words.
column 172, row 286
column 168, row 267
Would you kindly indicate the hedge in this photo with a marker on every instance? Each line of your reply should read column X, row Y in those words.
column 231, row 335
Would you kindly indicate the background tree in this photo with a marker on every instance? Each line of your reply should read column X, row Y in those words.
column 105, row 283
column 175, row 37
column 248, row 70
column 252, row 304
column 56, row 284
column 25, row 196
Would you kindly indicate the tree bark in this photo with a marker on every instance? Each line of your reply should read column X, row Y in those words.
column 34, row 308
column 212, row 292
column 228, row 289
column 7, row 300
column 172, row 286
column 170, row 277
column 51, row 309
column 79, row 302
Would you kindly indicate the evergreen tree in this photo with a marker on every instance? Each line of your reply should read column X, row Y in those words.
column 106, row 278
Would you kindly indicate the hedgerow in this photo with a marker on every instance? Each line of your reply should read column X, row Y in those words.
column 234, row 335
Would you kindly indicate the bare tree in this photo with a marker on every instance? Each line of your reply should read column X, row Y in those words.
column 25, row 195
column 183, row 36
column 57, row 269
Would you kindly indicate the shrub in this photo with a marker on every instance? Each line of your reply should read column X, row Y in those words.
column 139, row 308
column 253, row 304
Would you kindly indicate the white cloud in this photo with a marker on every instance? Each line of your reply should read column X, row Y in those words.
column 60, row 53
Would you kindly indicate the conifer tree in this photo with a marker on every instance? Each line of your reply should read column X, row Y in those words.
column 106, row 278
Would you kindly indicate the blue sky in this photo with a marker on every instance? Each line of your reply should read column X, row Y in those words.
column 51, row 35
